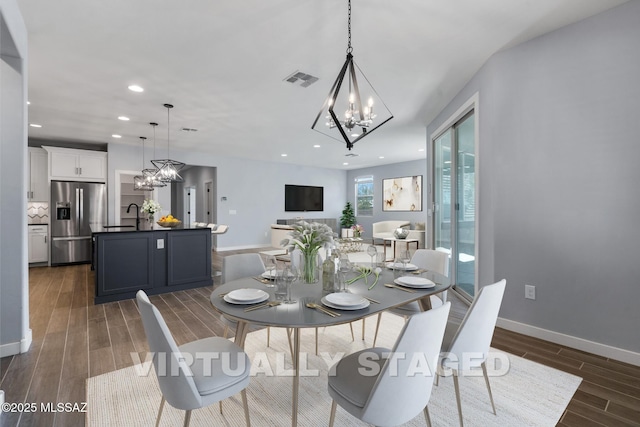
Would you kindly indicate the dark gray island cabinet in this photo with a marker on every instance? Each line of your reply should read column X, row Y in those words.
column 156, row 261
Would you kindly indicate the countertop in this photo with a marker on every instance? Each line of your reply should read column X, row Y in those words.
column 124, row 229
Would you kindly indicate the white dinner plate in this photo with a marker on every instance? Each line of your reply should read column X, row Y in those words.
column 415, row 282
column 345, row 299
column 247, row 295
column 365, row 304
column 233, row 301
column 399, row 266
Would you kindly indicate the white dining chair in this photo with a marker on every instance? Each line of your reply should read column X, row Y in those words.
column 188, row 380
column 425, row 259
column 387, row 390
column 472, row 337
column 235, row 267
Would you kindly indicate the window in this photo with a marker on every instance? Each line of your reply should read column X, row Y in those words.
column 364, row 196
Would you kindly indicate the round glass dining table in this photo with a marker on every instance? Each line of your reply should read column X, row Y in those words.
column 298, row 315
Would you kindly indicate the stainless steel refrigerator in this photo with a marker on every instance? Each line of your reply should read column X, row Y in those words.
column 77, row 209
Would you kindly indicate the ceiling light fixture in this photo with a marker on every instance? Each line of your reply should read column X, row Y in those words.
column 35, row 125
column 135, row 88
column 151, row 174
column 116, row 136
column 123, row 118
column 139, row 181
column 168, row 169
column 358, row 120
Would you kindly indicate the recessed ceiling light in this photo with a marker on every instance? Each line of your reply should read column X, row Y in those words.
column 345, row 164
column 316, row 146
column 123, row 118
column 35, row 125
column 116, row 136
column 28, row 103
column 136, row 88
column 283, row 155
column 381, row 157
column 421, row 149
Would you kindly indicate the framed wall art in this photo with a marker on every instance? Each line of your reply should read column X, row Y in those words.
column 402, row 194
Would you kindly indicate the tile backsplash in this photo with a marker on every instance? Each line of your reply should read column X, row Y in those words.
column 37, row 213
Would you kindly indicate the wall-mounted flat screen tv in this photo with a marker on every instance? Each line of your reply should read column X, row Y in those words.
column 303, row 198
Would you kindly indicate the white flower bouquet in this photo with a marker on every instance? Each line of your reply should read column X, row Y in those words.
column 151, row 207
column 309, row 238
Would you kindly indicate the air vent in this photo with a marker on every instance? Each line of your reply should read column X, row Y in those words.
column 301, row 79
column 351, row 154
column 189, row 130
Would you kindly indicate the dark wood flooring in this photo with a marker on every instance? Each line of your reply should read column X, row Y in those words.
column 73, row 339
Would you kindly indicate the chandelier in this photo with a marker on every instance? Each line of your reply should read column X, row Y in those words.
column 358, row 120
column 139, row 181
column 150, row 174
column 167, row 169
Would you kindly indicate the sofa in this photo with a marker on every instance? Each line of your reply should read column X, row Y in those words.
column 384, row 229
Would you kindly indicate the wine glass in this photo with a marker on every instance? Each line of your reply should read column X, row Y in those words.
column 289, row 275
column 372, row 252
column 405, row 258
column 272, row 266
column 344, row 268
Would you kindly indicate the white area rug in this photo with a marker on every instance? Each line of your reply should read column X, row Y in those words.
column 529, row 394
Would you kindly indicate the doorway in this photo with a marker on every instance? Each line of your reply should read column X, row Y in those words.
column 455, row 199
column 189, row 206
column 208, row 200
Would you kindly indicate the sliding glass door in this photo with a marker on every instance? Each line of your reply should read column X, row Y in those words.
column 454, row 200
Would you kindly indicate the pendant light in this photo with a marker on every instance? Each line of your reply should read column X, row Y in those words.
column 168, row 169
column 357, row 121
column 139, row 181
column 150, row 173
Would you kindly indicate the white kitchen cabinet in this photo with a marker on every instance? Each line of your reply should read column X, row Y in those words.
column 77, row 165
column 38, row 243
column 38, row 175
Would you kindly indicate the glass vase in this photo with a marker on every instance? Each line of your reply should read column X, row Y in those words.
column 310, row 269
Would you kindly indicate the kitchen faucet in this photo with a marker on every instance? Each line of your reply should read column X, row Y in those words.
column 137, row 214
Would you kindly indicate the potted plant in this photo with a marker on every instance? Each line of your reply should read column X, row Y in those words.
column 347, row 220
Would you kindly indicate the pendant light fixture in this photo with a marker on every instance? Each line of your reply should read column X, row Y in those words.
column 357, row 120
column 168, row 169
column 150, row 173
column 139, row 181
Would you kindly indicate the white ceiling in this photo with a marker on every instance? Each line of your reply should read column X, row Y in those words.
column 223, row 63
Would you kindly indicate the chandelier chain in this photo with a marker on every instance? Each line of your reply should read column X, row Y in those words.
column 349, row 48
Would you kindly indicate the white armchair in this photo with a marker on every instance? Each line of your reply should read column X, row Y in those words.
column 384, row 229
column 279, row 232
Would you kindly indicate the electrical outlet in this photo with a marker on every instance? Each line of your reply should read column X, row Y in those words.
column 529, row 292
column 160, row 244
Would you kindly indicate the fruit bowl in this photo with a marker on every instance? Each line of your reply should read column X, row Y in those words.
column 169, row 224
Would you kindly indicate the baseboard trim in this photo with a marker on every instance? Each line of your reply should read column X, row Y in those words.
column 593, row 347
column 17, row 347
column 25, row 343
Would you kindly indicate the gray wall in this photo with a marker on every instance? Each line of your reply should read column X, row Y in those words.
column 395, row 170
column 15, row 334
column 559, row 197
column 254, row 190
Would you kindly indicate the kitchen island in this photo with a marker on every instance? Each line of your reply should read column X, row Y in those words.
column 157, row 261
